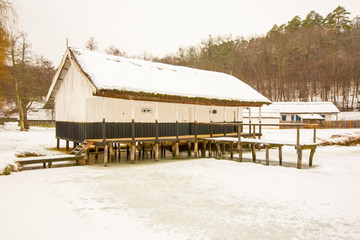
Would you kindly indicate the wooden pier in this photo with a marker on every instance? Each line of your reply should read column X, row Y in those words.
column 199, row 144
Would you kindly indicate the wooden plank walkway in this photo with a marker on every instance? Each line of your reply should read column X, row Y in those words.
column 269, row 144
column 49, row 159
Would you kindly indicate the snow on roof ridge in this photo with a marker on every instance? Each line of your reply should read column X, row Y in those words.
column 127, row 74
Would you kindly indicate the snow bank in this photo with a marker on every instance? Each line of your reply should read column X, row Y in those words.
column 13, row 142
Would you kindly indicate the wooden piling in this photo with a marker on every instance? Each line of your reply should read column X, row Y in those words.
column 253, row 151
column 239, row 143
column 210, row 150
column 132, row 153
column 189, row 148
column 156, row 151
column 106, row 150
column 112, row 152
column 67, row 145
column 177, row 152
column 195, row 148
column 312, row 152
column 267, row 155
column 231, row 150
column 58, row 143
column 280, row 155
column 218, row 151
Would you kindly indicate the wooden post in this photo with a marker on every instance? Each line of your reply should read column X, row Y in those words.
column 249, row 120
column 111, row 152
column 218, row 150
column 195, row 148
column 298, row 148
column 280, row 155
column 119, row 153
column 231, row 150
column 103, row 129
column 189, row 148
column 210, row 152
column 177, row 152
column 203, row 152
column 239, row 143
column 96, row 153
column 312, row 151
column 106, row 150
column 86, row 156
column 267, row 155
column 132, row 153
column 156, row 151
column 67, row 145
column 49, row 164
column 223, row 148
column 260, row 123
column 58, row 143
column 314, row 136
column 127, row 152
column 253, row 151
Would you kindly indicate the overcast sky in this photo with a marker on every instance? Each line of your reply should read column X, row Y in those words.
column 158, row 27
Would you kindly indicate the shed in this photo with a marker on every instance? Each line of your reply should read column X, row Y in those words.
column 136, row 96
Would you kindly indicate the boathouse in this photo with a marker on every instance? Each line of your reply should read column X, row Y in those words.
column 135, row 98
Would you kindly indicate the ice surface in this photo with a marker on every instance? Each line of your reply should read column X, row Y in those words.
column 186, row 199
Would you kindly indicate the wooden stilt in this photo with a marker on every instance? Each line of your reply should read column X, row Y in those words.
column 218, row 150
column 49, row 164
column 267, row 155
column 299, row 158
column 195, row 149
column 312, row 152
column 210, row 150
column 173, row 150
column 96, row 153
column 112, row 152
column 67, row 145
column 156, row 151
column 231, row 150
column 239, row 146
column 280, row 155
column 253, row 151
column 57, row 143
column 106, row 150
column 119, row 153
column 132, row 153
column 223, row 148
column 86, row 157
column 127, row 152
column 177, row 152
column 203, row 149
column 44, row 165
column 189, row 148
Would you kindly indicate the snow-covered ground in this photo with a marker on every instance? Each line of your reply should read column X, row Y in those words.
column 185, row 199
column 349, row 116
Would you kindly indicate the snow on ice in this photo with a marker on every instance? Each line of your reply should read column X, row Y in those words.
column 184, row 199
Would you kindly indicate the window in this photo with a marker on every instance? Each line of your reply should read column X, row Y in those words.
column 292, row 118
column 283, row 117
column 214, row 111
column 298, row 119
column 323, row 116
column 146, row 110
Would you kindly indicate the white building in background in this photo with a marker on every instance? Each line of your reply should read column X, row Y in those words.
column 295, row 111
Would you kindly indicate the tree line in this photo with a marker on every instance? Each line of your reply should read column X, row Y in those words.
column 311, row 59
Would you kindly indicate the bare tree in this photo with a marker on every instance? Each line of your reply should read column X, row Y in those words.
column 91, row 44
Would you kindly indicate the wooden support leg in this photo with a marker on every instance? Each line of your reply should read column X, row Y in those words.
column 189, row 148
column 177, row 152
column 218, row 150
column 57, row 143
column 96, row 153
column 280, row 155
column 203, row 149
column 210, row 153
column 240, row 151
column 267, row 155
column 67, row 145
column 49, row 164
column 106, row 150
column 156, row 151
column 299, row 158
column 44, row 164
column 195, row 148
column 312, row 151
column 111, row 152
column 86, row 156
column 253, row 151
column 223, row 148
column 132, row 153
column 231, row 150
column 127, row 153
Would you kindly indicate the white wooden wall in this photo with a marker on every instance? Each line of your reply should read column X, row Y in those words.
column 70, row 100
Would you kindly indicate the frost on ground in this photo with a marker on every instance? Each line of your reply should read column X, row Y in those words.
column 186, row 199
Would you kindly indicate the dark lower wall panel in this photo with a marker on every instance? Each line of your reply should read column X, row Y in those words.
column 75, row 131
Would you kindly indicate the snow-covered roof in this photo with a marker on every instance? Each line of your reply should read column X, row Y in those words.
column 305, row 107
column 311, row 117
column 266, row 112
column 120, row 74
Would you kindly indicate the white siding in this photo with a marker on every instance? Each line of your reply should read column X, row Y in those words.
column 70, row 100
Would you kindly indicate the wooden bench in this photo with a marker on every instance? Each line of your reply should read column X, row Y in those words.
column 271, row 144
column 49, row 159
